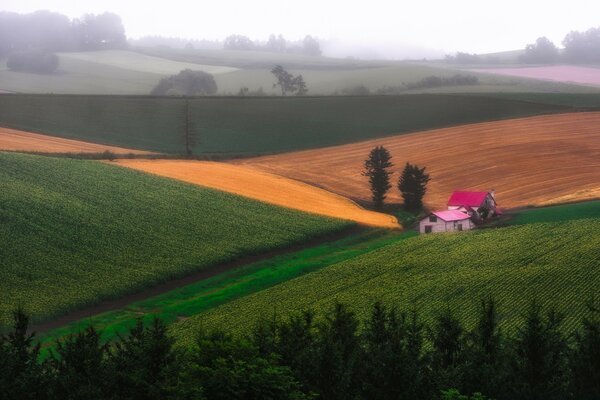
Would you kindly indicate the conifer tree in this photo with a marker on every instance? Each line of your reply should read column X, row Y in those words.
column 413, row 186
column 376, row 168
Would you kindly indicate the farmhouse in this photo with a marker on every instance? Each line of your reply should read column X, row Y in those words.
column 478, row 205
column 464, row 209
column 446, row 221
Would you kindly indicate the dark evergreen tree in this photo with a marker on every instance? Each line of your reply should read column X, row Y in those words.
column 585, row 357
column 144, row 363
column 447, row 358
column 21, row 376
column 376, row 168
column 339, row 354
column 391, row 368
column 538, row 368
column 79, row 367
column 230, row 368
column 486, row 366
column 413, row 186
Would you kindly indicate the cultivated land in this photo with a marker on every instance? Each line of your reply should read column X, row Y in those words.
column 555, row 73
column 205, row 294
column 14, row 140
column 75, row 232
column 537, row 160
column 137, row 72
column 556, row 263
column 251, row 126
column 269, row 188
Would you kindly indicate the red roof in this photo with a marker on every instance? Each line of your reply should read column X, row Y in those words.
column 473, row 199
column 451, row 215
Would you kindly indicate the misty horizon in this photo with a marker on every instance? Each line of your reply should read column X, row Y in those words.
column 430, row 29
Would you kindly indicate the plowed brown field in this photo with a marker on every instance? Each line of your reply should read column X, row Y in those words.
column 536, row 160
column 263, row 186
column 14, row 140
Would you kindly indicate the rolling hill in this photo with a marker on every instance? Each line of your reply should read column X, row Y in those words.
column 529, row 161
column 555, row 262
column 75, row 232
column 250, row 126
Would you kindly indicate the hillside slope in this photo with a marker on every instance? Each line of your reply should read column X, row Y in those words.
column 536, row 160
column 250, row 126
column 78, row 232
column 556, row 263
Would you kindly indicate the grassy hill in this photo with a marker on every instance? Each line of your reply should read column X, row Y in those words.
column 78, row 232
column 558, row 263
column 237, row 125
column 137, row 71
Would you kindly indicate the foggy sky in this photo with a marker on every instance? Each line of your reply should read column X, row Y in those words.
column 394, row 28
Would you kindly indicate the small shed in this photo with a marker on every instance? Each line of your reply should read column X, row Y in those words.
column 446, row 221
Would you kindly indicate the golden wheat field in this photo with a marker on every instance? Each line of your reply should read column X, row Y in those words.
column 16, row 140
column 536, row 160
column 263, row 186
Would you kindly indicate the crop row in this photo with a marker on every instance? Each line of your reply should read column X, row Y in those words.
column 78, row 232
column 556, row 263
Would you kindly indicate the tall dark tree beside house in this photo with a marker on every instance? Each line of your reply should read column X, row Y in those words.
column 376, row 168
column 413, row 186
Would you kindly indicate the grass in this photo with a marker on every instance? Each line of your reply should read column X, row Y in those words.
column 209, row 293
column 564, row 212
column 248, row 126
column 75, row 233
column 555, row 262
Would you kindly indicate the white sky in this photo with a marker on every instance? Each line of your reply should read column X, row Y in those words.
column 419, row 27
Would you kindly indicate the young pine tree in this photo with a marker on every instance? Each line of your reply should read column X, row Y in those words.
column 413, row 186
column 585, row 357
column 376, row 168
column 538, row 370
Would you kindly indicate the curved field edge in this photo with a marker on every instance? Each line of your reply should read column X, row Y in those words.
column 228, row 126
column 557, row 263
column 262, row 186
column 22, row 141
column 78, row 232
column 528, row 161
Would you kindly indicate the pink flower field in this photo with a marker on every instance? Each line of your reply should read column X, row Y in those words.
column 556, row 73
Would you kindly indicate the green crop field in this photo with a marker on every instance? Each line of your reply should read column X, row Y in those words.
column 564, row 212
column 557, row 263
column 77, row 232
column 208, row 293
column 249, row 126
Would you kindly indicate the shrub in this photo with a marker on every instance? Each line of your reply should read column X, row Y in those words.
column 187, row 83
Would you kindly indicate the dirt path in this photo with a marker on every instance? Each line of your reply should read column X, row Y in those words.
column 15, row 140
column 122, row 302
column 263, row 186
column 536, row 160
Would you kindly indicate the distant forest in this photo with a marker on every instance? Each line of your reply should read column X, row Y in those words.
column 579, row 47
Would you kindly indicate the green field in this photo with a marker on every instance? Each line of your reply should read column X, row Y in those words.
column 564, row 212
column 251, row 125
column 137, row 71
column 208, row 293
column 557, row 263
column 75, row 233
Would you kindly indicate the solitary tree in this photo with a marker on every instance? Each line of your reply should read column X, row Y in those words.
column 289, row 83
column 377, row 169
column 413, row 186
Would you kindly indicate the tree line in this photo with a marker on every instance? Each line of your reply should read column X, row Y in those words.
column 579, row 47
column 391, row 354
column 276, row 44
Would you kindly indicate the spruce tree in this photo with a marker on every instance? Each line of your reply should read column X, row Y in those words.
column 585, row 357
column 376, row 168
column 413, row 186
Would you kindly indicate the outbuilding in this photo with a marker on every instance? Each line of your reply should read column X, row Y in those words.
column 446, row 221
